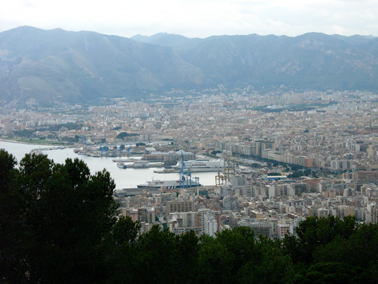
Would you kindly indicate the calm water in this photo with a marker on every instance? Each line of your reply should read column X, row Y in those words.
column 124, row 178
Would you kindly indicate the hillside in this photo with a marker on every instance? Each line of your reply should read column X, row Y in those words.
column 309, row 61
column 55, row 66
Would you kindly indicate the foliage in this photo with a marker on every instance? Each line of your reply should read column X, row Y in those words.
column 123, row 135
column 69, row 126
column 329, row 272
column 295, row 175
column 272, row 267
column 59, row 224
column 55, row 222
column 255, row 165
column 315, row 232
column 24, row 133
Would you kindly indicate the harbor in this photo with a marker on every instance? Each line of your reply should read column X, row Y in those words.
column 129, row 178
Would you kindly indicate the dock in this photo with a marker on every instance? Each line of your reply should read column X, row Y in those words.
column 145, row 166
column 166, row 171
column 125, row 192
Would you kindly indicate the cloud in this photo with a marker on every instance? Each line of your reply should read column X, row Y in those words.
column 195, row 18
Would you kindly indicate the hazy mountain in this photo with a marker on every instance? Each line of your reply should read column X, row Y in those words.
column 309, row 61
column 371, row 47
column 56, row 65
column 178, row 42
column 355, row 39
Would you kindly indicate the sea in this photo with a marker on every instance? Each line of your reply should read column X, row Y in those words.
column 123, row 178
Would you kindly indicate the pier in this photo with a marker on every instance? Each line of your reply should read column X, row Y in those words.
column 125, row 192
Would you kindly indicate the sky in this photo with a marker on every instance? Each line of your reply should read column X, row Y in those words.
column 195, row 18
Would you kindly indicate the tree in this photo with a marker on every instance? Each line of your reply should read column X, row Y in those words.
column 331, row 272
column 272, row 265
column 155, row 258
column 121, row 251
column 240, row 243
column 295, row 175
column 314, row 232
column 188, row 252
column 214, row 262
column 362, row 245
column 62, row 219
column 7, row 170
column 122, row 135
column 12, row 257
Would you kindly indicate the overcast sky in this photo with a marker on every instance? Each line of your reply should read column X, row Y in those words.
column 195, row 18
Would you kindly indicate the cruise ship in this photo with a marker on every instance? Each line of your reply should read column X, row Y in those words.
column 195, row 166
column 171, row 183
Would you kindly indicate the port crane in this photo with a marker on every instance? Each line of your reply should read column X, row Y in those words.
column 223, row 178
column 185, row 174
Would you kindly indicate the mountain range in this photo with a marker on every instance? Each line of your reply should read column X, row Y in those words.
column 54, row 66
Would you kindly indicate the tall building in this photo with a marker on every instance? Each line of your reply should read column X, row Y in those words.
column 182, row 219
column 210, row 225
column 238, row 180
column 180, row 206
column 231, row 203
column 283, row 229
column 259, row 228
column 374, row 214
column 144, row 214
column 208, row 221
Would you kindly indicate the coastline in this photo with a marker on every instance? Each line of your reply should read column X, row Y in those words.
column 35, row 142
column 123, row 178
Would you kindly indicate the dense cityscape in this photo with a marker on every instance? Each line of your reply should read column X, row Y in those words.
column 191, row 142
column 287, row 156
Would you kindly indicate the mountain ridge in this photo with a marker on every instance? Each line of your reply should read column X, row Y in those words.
column 54, row 66
column 303, row 61
column 85, row 65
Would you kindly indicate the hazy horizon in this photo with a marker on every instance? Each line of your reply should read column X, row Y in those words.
column 162, row 32
column 195, row 18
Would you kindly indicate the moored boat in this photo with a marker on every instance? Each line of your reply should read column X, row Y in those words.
column 121, row 165
column 194, row 166
column 171, row 183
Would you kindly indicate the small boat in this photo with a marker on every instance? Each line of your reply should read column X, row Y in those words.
column 121, row 165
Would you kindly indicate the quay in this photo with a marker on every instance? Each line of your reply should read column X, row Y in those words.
column 125, row 192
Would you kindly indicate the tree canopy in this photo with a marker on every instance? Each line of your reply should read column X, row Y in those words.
column 59, row 224
column 55, row 218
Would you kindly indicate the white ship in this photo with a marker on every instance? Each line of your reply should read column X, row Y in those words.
column 195, row 166
column 171, row 183
column 121, row 165
column 141, row 164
